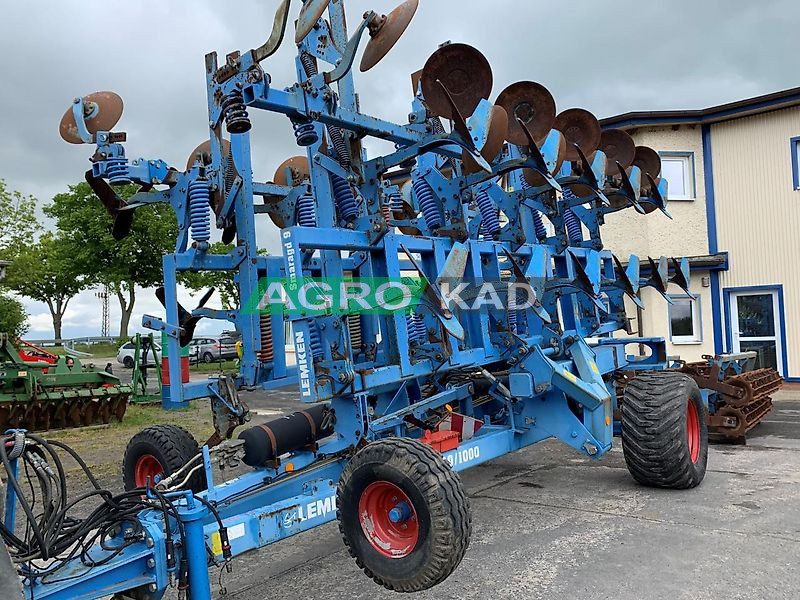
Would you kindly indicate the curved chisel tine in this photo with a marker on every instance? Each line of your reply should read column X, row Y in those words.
column 349, row 54
column 631, row 191
column 460, row 127
column 276, row 37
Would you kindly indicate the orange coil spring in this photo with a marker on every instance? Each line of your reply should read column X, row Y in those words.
column 386, row 210
column 267, row 352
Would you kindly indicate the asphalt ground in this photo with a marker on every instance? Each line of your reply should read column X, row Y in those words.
column 549, row 524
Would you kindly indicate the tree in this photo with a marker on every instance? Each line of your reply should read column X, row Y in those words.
column 13, row 319
column 134, row 261
column 45, row 271
column 17, row 221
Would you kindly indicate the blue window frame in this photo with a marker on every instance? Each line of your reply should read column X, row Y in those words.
column 794, row 145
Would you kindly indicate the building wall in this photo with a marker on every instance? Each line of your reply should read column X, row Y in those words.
column 756, row 207
column 627, row 232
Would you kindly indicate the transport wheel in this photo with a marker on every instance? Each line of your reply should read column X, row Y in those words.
column 664, row 430
column 157, row 452
column 403, row 514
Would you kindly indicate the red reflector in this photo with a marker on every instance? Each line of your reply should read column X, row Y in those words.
column 441, row 441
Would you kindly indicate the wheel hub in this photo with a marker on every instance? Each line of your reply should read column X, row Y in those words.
column 147, row 466
column 388, row 519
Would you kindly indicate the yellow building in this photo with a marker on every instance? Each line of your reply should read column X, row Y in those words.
column 734, row 189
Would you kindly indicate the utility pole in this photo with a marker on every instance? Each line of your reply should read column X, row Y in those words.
column 104, row 327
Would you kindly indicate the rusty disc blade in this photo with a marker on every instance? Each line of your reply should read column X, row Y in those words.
column 580, row 127
column 309, row 15
column 534, row 105
column 618, row 147
column 385, row 36
column 203, row 150
column 648, row 161
column 102, row 111
column 298, row 165
column 498, row 131
column 465, row 73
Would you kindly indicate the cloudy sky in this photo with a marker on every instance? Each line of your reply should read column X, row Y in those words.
column 608, row 56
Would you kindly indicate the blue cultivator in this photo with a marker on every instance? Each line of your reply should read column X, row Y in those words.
column 479, row 312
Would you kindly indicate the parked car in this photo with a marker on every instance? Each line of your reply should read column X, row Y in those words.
column 209, row 350
column 202, row 348
column 126, row 352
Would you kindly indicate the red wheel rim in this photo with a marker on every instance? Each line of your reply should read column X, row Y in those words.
column 147, row 466
column 693, row 431
column 388, row 519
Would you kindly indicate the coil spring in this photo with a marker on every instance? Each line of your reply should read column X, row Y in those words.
column 230, row 172
column 236, row 119
column 117, row 171
column 512, row 321
column 571, row 221
column 386, row 211
column 538, row 224
column 397, row 202
column 354, row 327
column 314, row 342
column 306, row 211
column 305, row 133
column 436, row 126
column 309, row 64
column 267, row 352
column 200, row 210
column 427, row 203
column 345, row 199
column 417, row 331
column 339, row 146
column 490, row 221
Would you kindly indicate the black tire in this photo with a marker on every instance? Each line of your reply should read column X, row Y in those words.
column 172, row 446
column 208, row 358
column 659, row 448
column 442, row 516
column 127, row 362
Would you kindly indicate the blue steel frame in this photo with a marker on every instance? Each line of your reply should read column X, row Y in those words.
column 559, row 385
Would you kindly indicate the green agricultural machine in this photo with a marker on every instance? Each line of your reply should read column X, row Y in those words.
column 39, row 395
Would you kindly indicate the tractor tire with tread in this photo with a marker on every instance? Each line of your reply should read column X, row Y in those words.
column 664, row 430
column 440, row 503
column 172, row 445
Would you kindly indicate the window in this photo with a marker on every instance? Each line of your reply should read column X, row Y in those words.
column 684, row 320
column 678, row 169
column 795, row 148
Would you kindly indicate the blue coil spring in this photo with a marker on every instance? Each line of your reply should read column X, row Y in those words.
column 512, row 321
column 417, row 331
column 538, row 224
column 306, row 211
column 305, row 133
column 571, row 221
column 490, row 220
column 314, row 342
column 396, row 202
column 200, row 210
column 428, row 204
column 345, row 199
column 236, row 118
column 117, row 171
